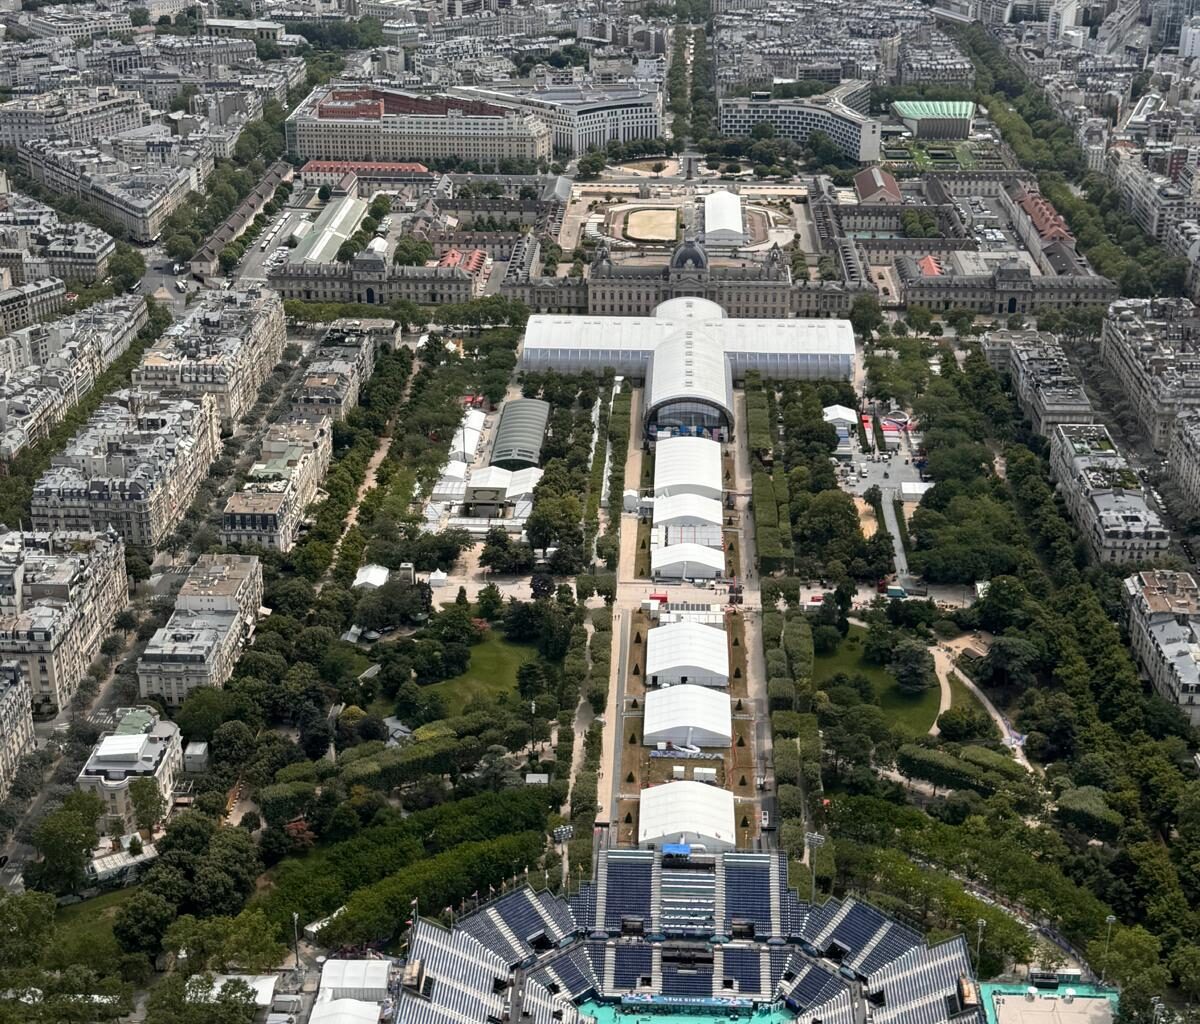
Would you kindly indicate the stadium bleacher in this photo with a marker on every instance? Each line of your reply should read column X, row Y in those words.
column 569, row 956
column 690, row 981
column 570, row 972
column 688, row 902
column 627, row 893
column 748, row 891
column 582, row 905
column 813, row 984
column 632, row 961
column 744, row 965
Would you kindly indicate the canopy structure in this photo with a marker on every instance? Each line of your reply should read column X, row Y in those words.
column 688, row 715
column 519, row 434
column 723, row 219
column 365, row 980
column 687, row 561
column 687, row 652
column 689, row 384
column 839, row 414
column 687, row 812
column 687, row 465
column 794, row 349
column 686, row 510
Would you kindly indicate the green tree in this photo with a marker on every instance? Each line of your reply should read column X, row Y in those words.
column 1133, row 954
column 183, row 999
column 232, row 745
column 26, row 927
column 412, row 252
column 912, row 665
column 111, row 646
column 63, row 840
column 490, row 602
column 126, row 267
column 865, row 315
column 180, row 247
column 148, row 803
column 202, row 713
column 248, row 942
column 325, row 193
column 142, row 921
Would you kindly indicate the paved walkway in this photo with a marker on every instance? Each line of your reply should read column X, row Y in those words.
column 1007, row 733
column 943, row 666
column 889, row 519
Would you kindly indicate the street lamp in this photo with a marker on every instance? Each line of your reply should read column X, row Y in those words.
column 1108, row 922
column 980, row 925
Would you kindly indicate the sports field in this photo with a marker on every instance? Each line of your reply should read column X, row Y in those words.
column 651, row 226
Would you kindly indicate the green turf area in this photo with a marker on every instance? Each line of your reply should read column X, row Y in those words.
column 641, row 557
column 492, row 672
column 85, row 929
column 913, row 715
column 960, row 696
column 919, row 158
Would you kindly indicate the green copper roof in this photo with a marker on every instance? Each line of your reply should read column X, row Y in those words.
column 918, row 109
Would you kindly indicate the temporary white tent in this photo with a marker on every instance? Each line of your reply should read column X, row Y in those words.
column 687, row 465
column 345, row 1011
column 687, row 561
column 687, row 652
column 839, row 415
column 262, row 984
column 688, row 715
column 686, row 510
column 355, row 979
column 723, row 219
column 371, row 576
column 687, row 812
column 466, row 438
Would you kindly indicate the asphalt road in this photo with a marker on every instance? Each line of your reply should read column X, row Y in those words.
column 888, row 475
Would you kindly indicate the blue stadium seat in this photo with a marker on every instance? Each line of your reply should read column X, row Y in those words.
column 677, row 981
column 632, row 961
column 628, row 888
column 744, row 965
column 748, row 891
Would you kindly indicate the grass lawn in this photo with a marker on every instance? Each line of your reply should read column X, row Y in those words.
column 85, row 929
column 960, row 696
column 493, row 671
column 913, row 715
